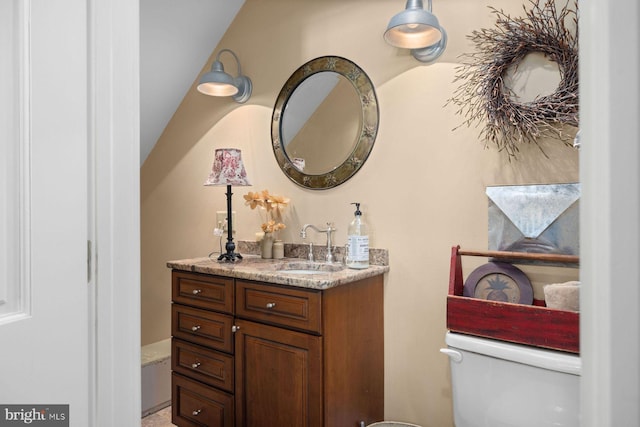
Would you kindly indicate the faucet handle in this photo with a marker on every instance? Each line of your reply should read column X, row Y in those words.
column 310, row 254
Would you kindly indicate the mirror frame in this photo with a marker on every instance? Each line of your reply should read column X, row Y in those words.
column 368, row 131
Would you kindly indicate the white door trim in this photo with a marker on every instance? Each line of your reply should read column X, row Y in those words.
column 115, row 167
column 610, row 212
column 15, row 291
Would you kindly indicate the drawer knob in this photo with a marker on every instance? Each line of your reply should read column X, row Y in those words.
column 271, row 304
column 197, row 291
column 196, row 412
column 195, row 328
column 195, row 365
column 235, row 328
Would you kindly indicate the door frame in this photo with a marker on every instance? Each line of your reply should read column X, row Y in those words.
column 115, row 59
column 610, row 212
column 114, row 206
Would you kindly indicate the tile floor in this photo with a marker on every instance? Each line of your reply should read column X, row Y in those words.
column 162, row 418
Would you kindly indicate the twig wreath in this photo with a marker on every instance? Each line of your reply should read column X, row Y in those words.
column 483, row 95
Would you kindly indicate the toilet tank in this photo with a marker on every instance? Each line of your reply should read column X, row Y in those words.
column 499, row 384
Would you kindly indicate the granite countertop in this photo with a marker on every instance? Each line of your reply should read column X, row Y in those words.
column 252, row 267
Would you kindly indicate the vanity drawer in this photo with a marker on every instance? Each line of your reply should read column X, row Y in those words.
column 202, row 364
column 194, row 404
column 293, row 307
column 202, row 327
column 201, row 290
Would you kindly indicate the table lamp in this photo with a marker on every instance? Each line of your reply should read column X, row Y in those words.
column 228, row 170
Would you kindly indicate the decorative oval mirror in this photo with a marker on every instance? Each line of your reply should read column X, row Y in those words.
column 324, row 122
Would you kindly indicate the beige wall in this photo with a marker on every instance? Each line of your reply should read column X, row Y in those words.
column 422, row 189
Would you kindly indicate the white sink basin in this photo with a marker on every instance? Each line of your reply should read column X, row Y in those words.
column 308, row 267
column 287, row 271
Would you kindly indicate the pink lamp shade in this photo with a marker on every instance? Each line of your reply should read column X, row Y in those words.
column 228, row 168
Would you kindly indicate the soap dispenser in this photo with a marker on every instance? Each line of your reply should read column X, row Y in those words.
column 358, row 241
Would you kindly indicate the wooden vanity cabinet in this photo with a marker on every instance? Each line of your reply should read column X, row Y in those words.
column 299, row 356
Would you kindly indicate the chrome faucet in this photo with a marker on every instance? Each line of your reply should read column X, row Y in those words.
column 328, row 230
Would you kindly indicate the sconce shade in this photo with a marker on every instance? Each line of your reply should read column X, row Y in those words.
column 216, row 82
column 219, row 83
column 417, row 29
column 228, row 168
column 413, row 29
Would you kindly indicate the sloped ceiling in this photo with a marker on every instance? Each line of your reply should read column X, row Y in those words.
column 176, row 39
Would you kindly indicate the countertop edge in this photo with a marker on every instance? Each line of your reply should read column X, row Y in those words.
column 266, row 271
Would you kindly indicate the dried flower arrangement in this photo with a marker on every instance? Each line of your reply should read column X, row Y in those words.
column 483, row 95
column 272, row 204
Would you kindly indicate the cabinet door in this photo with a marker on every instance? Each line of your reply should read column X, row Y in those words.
column 278, row 377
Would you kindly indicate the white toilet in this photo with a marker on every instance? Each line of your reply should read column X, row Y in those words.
column 499, row 384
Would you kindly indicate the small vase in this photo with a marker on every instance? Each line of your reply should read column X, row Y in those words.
column 278, row 249
column 266, row 246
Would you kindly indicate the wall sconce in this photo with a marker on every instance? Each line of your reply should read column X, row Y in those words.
column 228, row 170
column 419, row 30
column 218, row 83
